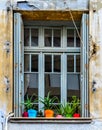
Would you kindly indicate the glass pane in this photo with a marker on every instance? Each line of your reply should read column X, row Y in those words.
column 26, row 37
column 34, row 63
column 77, row 63
column 48, row 37
column 34, row 37
column 70, row 63
column 31, row 86
column 57, row 63
column 70, row 38
column 26, row 62
column 77, row 40
column 48, row 63
column 53, row 84
column 57, row 38
column 73, row 85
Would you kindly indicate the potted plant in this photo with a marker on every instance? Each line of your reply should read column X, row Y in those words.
column 76, row 106
column 59, row 111
column 29, row 107
column 69, row 109
column 48, row 103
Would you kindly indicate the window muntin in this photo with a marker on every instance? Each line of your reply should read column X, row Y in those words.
column 73, row 75
column 73, row 39
column 52, row 75
column 31, row 37
column 52, row 37
column 31, row 75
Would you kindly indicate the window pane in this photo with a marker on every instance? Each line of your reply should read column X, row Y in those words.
column 53, row 84
column 57, row 63
column 26, row 62
column 70, row 63
column 31, row 86
column 34, row 37
column 73, row 85
column 70, row 38
column 57, row 38
column 77, row 63
column 48, row 37
column 77, row 40
column 34, row 63
column 48, row 63
column 26, row 37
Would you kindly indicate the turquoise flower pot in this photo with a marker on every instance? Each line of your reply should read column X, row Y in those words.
column 32, row 113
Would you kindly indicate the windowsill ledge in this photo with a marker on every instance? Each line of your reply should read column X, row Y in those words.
column 52, row 120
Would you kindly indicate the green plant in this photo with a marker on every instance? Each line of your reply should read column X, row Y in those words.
column 75, row 104
column 29, row 103
column 68, row 110
column 48, row 101
column 72, row 106
column 59, row 110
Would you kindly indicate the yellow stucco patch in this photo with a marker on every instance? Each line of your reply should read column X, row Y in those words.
column 5, row 61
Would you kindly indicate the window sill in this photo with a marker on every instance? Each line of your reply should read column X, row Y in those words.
column 52, row 120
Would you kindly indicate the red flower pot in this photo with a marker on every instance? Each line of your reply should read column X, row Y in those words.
column 25, row 114
column 76, row 115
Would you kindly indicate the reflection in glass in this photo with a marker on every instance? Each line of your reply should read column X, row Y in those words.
column 57, row 38
column 57, row 63
column 77, row 63
column 70, row 63
column 34, row 37
column 73, row 85
column 70, row 38
column 48, row 63
column 26, row 37
column 53, row 84
column 31, row 85
column 34, row 63
column 26, row 62
column 48, row 37
column 77, row 40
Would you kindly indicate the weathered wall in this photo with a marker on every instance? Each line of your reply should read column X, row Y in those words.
column 96, row 58
column 5, row 59
column 95, row 66
column 57, row 4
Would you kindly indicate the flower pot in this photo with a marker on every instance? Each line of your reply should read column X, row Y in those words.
column 59, row 116
column 68, row 115
column 76, row 115
column 32, row 113
column 25, row 114
column 49, row 113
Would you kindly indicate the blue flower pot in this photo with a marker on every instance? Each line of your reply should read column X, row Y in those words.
column 32, row 113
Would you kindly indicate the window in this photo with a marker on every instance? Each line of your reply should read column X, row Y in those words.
column 51, row 59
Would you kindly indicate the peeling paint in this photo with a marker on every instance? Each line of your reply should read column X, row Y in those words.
column 51, row 4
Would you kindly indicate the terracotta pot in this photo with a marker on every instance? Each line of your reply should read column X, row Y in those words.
column 49, row 113
column 76, row 115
